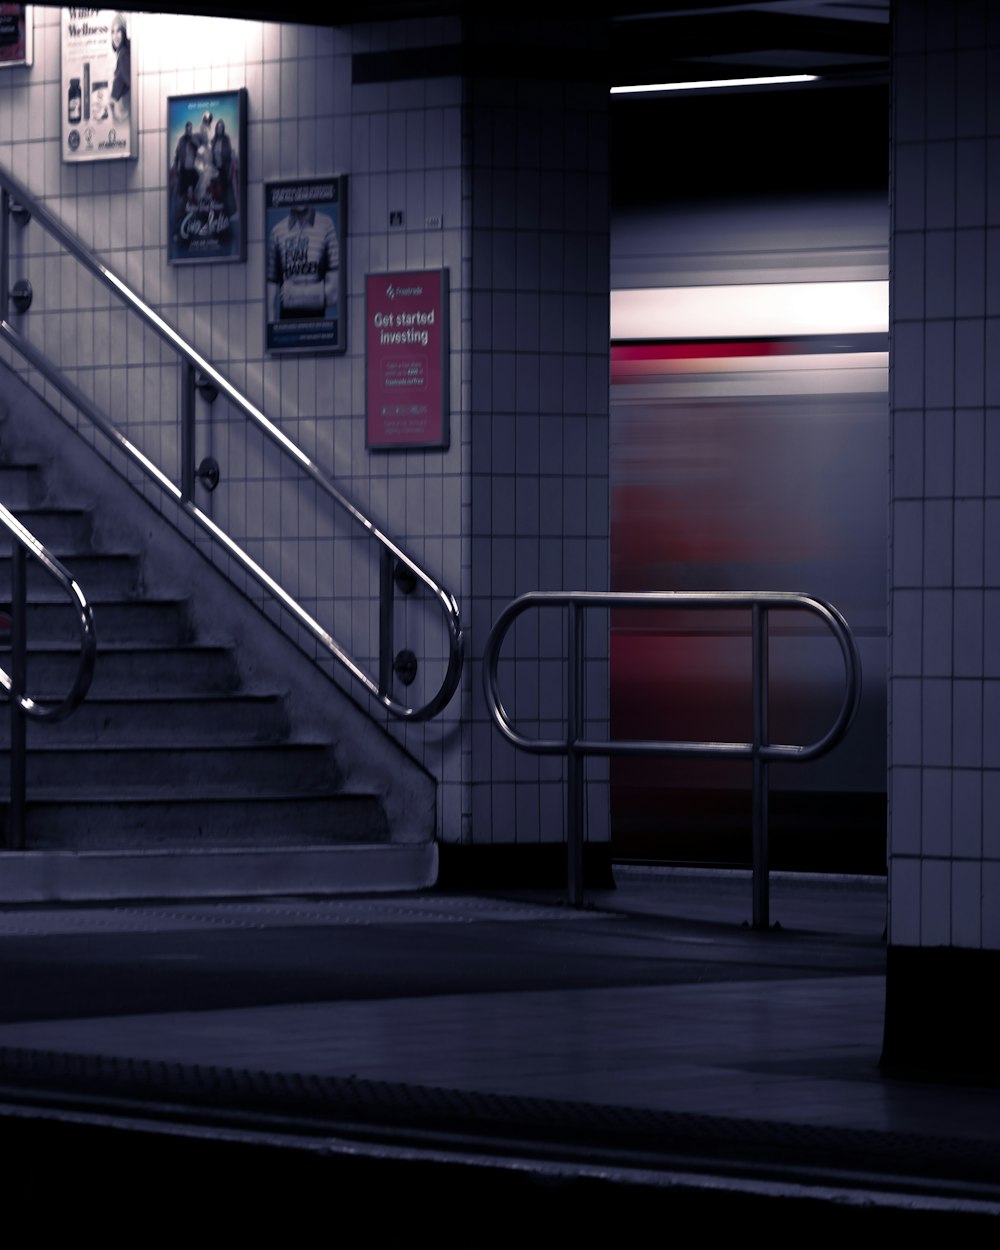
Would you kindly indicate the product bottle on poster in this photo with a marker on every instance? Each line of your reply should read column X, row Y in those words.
column 74, row 101
column 86, row 90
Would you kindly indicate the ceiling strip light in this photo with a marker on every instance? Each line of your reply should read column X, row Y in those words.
column 715, row 82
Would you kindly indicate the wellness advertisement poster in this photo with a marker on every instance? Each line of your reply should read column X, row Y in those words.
column 96, row 100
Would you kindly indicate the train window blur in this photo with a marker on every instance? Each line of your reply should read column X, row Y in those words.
column 749, row 433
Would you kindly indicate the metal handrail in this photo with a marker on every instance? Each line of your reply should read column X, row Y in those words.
column 14, row 683
column 760, row 751
column 197, row 366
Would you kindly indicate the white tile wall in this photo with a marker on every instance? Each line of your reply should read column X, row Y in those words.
column 400, row 145
column 945, row 488
column 519, row 500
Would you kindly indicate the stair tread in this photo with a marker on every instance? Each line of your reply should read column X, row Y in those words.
column 61, row 509
column 133, row 796
column 69, row 646
column 169, row 696
column 69, row 555
column 40, row 599
column 302, row 745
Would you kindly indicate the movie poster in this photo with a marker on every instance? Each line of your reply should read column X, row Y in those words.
column 97, row 100
column 206, row 186
column 15, row 35
column 304, row 223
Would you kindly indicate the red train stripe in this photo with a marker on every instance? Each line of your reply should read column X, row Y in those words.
column 701, row 351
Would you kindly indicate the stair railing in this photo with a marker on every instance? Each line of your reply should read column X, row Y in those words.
column 396, row 567
column 22, row 706
column 760, row 751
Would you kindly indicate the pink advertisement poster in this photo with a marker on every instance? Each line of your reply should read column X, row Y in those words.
column 406, row 337
column 15, row 34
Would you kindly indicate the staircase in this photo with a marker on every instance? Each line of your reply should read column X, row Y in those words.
column 210, row 756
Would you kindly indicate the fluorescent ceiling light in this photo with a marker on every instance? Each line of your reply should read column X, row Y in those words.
column 715, row 82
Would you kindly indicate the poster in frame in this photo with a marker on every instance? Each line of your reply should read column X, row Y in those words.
column 206, row 181
column 305, row 224
column 15, row 35
column 406, row 350
column 97, row 100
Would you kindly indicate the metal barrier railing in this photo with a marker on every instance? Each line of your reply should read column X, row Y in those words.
column 759, row 751
column 396, row 567
column 22, row 706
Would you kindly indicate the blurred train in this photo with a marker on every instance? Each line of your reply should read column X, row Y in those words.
column 749, row 451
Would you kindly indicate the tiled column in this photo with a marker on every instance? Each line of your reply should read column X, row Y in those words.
column 537, row 149
column 944, row 741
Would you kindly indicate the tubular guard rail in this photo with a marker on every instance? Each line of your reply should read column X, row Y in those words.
column 395, row 564
column 22, row 706
column 760, row 751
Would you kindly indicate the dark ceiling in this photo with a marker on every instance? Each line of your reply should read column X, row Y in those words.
column 655, row 40
column 833, row 132
column 688, row 40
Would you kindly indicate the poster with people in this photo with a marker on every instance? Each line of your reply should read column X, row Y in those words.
column 206, row 187
column 304, row 224
column 97, row 99
column 15, row 35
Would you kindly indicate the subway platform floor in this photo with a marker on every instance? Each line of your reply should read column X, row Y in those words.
column 650, row 1051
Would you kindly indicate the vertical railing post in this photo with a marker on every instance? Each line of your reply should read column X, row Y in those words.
column 18, row 685
column 761, row 884
column 575, row 799
column 386, row 594
column 4, row 255
column 187, row 431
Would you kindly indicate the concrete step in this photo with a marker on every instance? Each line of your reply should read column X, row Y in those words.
column 160, row 621
column 104, row 575
column 103, row 823
column 21, row 486
column 124, row 667
column 56, row 527
column 173, row 779
column 205, row 771
column 165, row 720
column 208, row 872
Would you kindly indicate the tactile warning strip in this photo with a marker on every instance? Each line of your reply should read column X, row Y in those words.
column 279, row 913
